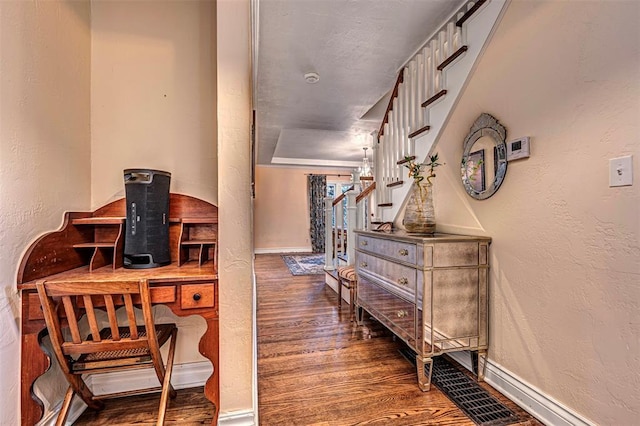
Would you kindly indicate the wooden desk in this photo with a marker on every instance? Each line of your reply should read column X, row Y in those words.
column 188, row 289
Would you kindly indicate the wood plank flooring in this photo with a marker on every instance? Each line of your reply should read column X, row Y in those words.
column 314, row 368
column 190, row 407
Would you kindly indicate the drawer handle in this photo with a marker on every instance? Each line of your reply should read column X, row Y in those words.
column 363, row 243
column 402, row 314
column 363, row 264
column 403, row 252
column 197, row 297
column 403, row 281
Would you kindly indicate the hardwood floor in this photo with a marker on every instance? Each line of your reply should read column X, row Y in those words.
column 190, row 407
column 314, row 368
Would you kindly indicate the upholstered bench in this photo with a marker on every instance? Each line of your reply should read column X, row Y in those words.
column 347, row 278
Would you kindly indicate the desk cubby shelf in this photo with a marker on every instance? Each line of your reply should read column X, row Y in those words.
column 106, row 242
column 198, row 240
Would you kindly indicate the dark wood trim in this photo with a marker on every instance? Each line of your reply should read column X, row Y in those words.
column 366, row 192
column 385, row 205
column 366, row 177
column 396, row 183
column 419, row 131
column 394, row 95
column 341, row 196
column 470, row 12
column 434, row 98
column 406, row 159
column 452, row 58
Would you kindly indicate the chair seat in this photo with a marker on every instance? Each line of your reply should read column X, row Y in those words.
column 133, row 356
column 347, row 278
column 347, row 273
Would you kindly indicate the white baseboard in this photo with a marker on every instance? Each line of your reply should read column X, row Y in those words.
column 531, row 399
column 282, row 250
column 237, row 418
column 184, row 376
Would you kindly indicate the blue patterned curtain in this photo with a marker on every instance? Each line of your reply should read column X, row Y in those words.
column 317, row 190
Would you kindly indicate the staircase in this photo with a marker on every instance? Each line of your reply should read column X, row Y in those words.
column 427, row 89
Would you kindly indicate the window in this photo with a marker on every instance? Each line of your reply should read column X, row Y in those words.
column 332, row 189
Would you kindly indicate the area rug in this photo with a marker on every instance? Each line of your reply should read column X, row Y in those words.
column 305, row 264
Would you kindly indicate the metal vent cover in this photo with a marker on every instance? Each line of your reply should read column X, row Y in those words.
column 478, row 404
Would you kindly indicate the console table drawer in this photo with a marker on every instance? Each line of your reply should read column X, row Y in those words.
column 393, row 311
column 399, row 276
column 398, row 250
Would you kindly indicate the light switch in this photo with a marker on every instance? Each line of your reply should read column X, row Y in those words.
column 621, row 171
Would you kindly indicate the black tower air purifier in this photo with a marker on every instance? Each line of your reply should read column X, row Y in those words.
column 146, row 242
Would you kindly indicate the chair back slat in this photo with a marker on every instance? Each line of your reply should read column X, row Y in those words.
column 70, row 311
column 113, row 319
column 80, row 299
column 91, row 318
column 131, row 316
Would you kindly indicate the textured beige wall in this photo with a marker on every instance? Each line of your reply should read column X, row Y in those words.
column 235, row 252
column 565, row 299
column 44, row 150
column 152, row 95
column 153, row 106
column 281, row 205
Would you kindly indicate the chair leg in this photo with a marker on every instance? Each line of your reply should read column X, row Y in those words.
column 64, row 410
column 352, row 300
column 167, row 388
column 82, row 390
column 339, row 293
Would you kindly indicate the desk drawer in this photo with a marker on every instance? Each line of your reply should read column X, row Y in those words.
column 195, row 296
column 399, row 276
column 398, row 250
column 393, row 311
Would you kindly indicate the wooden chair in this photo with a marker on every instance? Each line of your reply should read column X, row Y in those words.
column 347, row 278
column 115, row 347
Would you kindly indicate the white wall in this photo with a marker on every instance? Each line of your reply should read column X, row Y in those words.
column 565, row 299
column 44, row 148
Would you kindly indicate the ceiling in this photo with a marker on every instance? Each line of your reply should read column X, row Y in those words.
column 357, row 48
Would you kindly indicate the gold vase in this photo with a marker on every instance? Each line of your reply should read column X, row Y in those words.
column 419, row 215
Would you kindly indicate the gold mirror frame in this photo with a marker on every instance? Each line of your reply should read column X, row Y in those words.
column 485, row 125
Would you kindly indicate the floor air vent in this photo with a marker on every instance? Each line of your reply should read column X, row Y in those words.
column 475, row 402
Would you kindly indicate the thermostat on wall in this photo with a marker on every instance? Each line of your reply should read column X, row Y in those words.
column 518, row 148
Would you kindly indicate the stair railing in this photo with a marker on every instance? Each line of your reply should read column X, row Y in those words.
column 420, row 86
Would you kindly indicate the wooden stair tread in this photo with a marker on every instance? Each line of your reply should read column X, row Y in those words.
column 470, row 12
column 385, row 205
column 396, row 183
column 452, row 58
column 419, row 132
column 434, row 98
column 406, row 159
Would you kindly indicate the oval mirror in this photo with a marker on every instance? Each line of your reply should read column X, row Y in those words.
column 484, row 159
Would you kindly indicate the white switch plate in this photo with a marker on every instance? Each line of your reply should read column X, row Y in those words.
column 621, row 171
